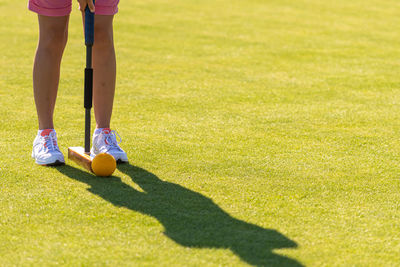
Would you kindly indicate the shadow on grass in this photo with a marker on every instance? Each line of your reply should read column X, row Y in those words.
column 189, row 218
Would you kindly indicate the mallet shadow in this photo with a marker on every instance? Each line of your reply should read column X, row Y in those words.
column 189, row 218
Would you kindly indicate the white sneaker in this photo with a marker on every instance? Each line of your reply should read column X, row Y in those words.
column 45, row 149
column 105, row 141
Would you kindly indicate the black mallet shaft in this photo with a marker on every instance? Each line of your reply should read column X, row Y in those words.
column 88, row 93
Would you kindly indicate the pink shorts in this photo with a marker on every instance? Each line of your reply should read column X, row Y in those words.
column 56, row 8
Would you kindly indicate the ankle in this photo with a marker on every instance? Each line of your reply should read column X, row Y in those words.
column 44, row 126
column 102, row 126
column 46, row 130
column 100, row 130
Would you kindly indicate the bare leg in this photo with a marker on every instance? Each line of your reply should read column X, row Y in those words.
column 46, row 69
column 104, row 70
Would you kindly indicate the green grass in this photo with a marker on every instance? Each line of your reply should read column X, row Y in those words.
column 259, row 133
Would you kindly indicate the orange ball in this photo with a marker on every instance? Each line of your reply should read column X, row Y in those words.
column 103, row 164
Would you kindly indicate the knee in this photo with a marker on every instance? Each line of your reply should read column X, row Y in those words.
column 54, row 39
column 103, row 38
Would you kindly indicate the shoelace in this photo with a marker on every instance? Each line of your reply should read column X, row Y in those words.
column 50, row 141
column 111, row 139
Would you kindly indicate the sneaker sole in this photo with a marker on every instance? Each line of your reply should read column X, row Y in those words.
column 56, row 163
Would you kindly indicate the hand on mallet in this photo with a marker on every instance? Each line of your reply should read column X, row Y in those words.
column 84, row 3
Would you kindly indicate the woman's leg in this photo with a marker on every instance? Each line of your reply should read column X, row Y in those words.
column 46, row 69
column 104, row 70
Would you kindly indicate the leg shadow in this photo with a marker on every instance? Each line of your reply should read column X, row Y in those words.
column 189, row 218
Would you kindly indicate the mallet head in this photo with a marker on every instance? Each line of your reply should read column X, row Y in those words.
column 101, row 165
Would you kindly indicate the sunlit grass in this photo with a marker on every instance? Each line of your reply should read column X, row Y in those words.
column 258, row 132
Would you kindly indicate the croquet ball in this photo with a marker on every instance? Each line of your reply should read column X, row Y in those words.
column 103, row 164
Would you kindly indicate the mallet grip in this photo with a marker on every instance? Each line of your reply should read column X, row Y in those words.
column 89, row 26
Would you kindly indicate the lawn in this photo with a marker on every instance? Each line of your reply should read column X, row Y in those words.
column 259, row 132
